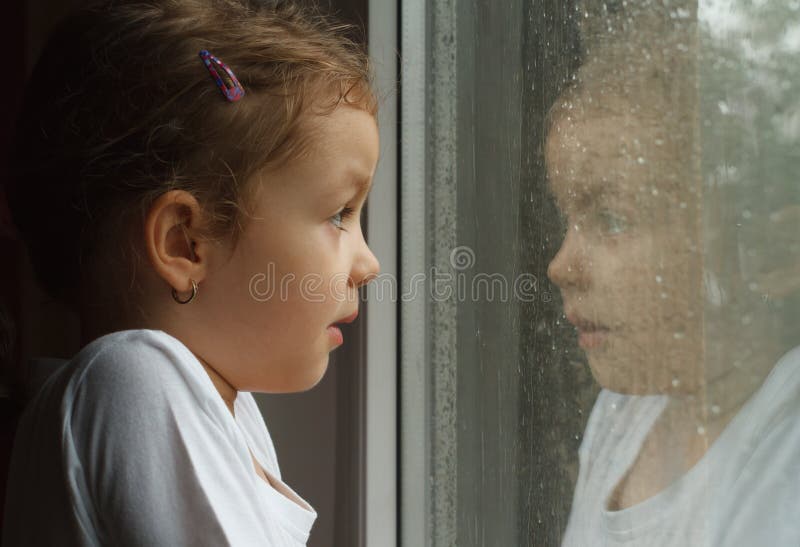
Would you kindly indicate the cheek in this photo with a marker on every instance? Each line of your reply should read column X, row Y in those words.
column 623, row 265
column 643, row 281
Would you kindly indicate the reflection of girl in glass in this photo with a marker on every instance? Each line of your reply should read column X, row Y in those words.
column 695, row 438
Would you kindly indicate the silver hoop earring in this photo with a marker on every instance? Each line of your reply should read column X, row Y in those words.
column 194, row 293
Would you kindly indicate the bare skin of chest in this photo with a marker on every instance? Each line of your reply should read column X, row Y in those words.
column 263, row 475
column 260, row 472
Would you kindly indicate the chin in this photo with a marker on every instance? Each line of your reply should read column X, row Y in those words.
column 651, row 366
column 629, row 379
column 313, row 376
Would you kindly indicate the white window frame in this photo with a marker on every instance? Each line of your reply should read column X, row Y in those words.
column 381, row 406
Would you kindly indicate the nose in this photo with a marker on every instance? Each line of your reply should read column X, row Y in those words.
column 568, row 267
column 365, row 265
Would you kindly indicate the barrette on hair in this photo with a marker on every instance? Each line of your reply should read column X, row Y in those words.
column 224, row 77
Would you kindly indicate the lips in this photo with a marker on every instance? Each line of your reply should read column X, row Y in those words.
column 591, row 335
column 349, row 319
column 335, row 333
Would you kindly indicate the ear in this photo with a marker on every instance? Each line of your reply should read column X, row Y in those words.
column 173, row 239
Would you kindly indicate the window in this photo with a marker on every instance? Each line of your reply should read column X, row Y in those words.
column 600, row 201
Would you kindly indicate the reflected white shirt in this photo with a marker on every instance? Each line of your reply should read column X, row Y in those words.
column 745, row 491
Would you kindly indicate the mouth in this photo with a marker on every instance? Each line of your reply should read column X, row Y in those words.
column 335, row 332
column 345, row 320
column 591, row 335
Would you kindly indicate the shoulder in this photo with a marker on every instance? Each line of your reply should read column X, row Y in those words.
column 122, row 369
column 136, row 376
column 146, row 351
column 779, row 395
column 772, row 417
column 763, row 464
column 135, row 361
column 142, row 393
column 760, row 507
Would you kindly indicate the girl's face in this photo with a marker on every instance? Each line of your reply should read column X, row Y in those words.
column 627, row 269
column 297, row 267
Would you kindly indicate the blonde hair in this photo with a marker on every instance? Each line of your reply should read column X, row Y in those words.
column 121, row 109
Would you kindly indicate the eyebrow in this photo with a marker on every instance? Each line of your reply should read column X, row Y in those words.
column 586, row 195
column 358, row 179
column 349, row 180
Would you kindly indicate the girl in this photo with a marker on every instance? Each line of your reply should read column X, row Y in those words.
column 188, row 176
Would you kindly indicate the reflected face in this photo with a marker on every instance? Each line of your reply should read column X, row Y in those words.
column 627, row 268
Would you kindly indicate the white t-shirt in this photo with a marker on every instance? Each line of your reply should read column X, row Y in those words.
column 744, row 492
column 130, row 444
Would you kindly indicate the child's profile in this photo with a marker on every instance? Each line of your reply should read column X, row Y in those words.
column 175, row 162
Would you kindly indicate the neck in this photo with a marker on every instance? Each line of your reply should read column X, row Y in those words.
column 709, row 409
column 226, row 390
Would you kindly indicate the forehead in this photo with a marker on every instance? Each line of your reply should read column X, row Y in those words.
column 594, row 152
column 344, row 142
column 336, row 161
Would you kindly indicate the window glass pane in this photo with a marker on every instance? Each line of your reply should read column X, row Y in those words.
column 614, row 217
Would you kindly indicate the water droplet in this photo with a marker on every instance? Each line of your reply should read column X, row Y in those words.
column 701, row 430
column 723, row 107
column 659, row 279
column 664, row 296
column 746, row 320
column 640, row 160
column 675, row 382
column 747, row 214
column 683, row 205
column 715, row 409
column 678, row 335
column 753, row 286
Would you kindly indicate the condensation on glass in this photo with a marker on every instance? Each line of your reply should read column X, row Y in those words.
column 614, row 195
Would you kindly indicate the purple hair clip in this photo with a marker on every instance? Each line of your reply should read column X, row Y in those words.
column 224, row 78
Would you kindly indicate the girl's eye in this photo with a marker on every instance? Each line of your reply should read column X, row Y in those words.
column 612, row 223
column 339, row 218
